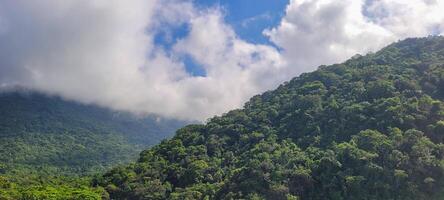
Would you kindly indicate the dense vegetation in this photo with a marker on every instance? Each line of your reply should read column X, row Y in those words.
column 48, row 188
column 369, row 128
column 46, row 142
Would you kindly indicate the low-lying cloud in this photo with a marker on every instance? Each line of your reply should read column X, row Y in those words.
column 104, row 51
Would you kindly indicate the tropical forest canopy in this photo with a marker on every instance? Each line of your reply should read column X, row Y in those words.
column 46, row 142
column 369, row 128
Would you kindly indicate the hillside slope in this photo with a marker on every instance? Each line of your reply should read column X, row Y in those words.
column 369, row 128
column 48, row 135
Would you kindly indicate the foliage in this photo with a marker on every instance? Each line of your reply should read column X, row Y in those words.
column 52, row 189
column 44, row 138
column 369, row 128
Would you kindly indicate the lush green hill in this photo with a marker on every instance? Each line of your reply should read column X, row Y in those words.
column 48, row 133
column 46, row 141
column 369, row 128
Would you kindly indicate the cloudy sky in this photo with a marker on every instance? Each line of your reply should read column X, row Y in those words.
column 191, row 59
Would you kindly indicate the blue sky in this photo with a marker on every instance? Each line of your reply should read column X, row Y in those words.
column 248, row 18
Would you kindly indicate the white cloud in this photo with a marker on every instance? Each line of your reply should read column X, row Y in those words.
column 103, row 51
column 315, row 32
column 236, row 70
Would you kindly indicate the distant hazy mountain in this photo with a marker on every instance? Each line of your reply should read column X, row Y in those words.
column 50, row 135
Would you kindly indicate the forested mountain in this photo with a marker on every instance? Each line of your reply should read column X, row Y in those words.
column 48, row 140
column 49, row 133
column 369, row 128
